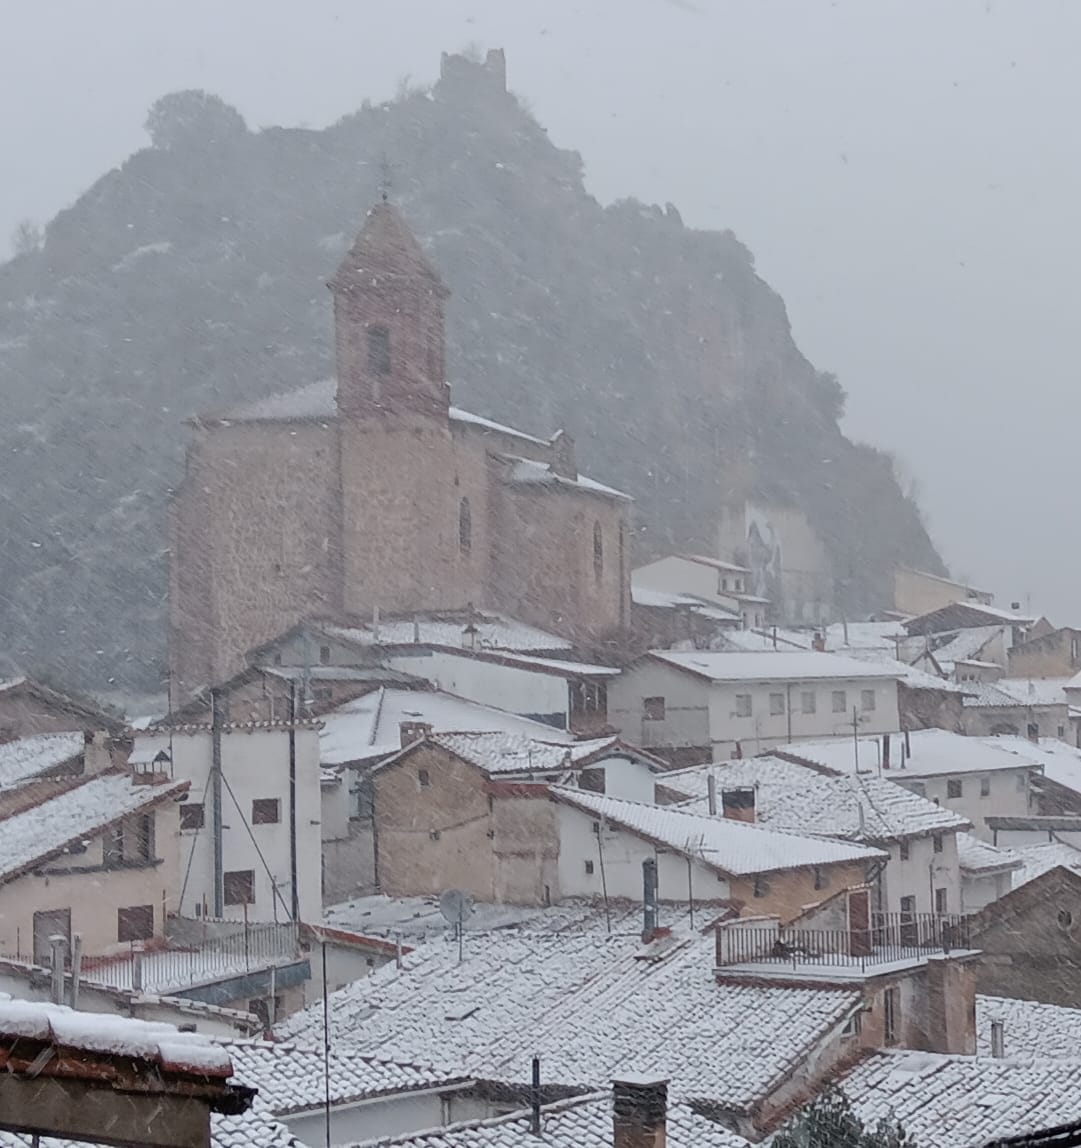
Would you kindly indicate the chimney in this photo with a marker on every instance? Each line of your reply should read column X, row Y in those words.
column 649, row 899
column 951, row 1005
column 96, row 756
column 639, row 1112
column 563, row 461
column 998, row 1039
column 711, row 792
column 818, row 642
column 738, row 805
column 411, row 731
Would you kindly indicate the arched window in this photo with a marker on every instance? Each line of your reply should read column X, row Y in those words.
column 465, row 527
column 598, row 551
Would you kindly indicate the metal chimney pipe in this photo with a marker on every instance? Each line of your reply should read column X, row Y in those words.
column 535, row 1099
column 998, row 1038
column 711, row 790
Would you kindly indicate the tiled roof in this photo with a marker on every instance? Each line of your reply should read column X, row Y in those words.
column 499, row 752
column 1036, row 860
column 771, row 666
column 964, row 1101
column 530, row 472
column 1030, row 1028
column 581, row 1122
column 911, row 676
column 934, row 752
column 732, row 847
column 589, row 1005
column 665, row 600
column 976, row 856
column 961, row 645
column 26, row 757
column 851, row 636
column 797, row 799
column 47, row 829
column 291, row 1079
column 1061, row 762
column 350, row 731
column 489, row 632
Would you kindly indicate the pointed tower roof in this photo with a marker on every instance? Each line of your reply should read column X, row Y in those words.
column 385, row 249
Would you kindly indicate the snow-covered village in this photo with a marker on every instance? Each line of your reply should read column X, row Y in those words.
column 463, row 681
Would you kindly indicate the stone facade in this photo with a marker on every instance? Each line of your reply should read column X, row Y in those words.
column 375, row 494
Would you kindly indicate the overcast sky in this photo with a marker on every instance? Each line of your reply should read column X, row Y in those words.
column 907, row 174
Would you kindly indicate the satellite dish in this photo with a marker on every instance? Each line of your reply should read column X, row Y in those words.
column 455, row 906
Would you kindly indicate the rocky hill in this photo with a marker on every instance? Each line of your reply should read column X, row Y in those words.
column 193, row 277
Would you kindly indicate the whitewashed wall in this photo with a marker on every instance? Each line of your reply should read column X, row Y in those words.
column 922, row 873
column 686, row 721
column 1009, row 794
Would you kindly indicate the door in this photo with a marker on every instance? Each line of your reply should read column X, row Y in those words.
column 50, row 923
column 908, row 933
column 859, row 923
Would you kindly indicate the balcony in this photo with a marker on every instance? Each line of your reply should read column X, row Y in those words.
column 764, row 946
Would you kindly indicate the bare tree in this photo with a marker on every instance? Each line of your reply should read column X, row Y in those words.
column 26, row 238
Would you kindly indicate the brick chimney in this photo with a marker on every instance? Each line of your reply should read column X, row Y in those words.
column 96, row 755
column 738, row 805
column 951, row 1005
column 563, row 461
column 818, row 642
column 639, row 1112
column 411, row 731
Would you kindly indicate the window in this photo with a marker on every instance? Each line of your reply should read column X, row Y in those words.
column 324, row 655
column 266, row 811
column 465, row 527
column 744, row 707
column 589, row 868
column 954, row 787
column 379, row 350
column 724, row 584
column 940, row 900
column 776, row 704
column 130, row 841
column 240, row 887
column 1065, row 919
column 424, row 781
column 1061, row 733
column 807, row 701
column 822, row 879
column 867, row 700
column 588, row 698
column 653, row 709
column 937, row 842
column 908, row 906
column 1022, row 782
column 853, row 1025
column 890, row 1006
column 840, row 702
column 598, row 551
column 761, row 886
column 985, row 787
column 135, row 923
column 904, row 850
column 322, row 694
column 591, row 780
column 192, row 816
column 49, row 923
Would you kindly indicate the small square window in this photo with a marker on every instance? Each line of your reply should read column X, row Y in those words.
column 424, row 781
column 867, row 700
column 985, row 787
column 840, row 702
column 776, row 704
column 266, row 811
column 324, row 655
column 937, row 842
column 954, row 787
column 589, row 868
column 192, row 816
column 240, row 887
column 904, row 850
column 744, row 706
column 434, row 834
column 653, row 709
column 135, row 923
column 807, row 701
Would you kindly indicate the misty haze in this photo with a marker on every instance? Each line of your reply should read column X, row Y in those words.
column 537, row 589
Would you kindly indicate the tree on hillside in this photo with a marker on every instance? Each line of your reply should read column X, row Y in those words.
column 26, row 237
column 829, row 1122
column 192, row 118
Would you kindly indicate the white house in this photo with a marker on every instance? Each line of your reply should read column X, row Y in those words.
column 711, row 579
column 270, row 831
column 922, row 873
column 975, row 777
column 695, row 705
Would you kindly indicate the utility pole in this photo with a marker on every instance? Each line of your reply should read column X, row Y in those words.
column 216, row 722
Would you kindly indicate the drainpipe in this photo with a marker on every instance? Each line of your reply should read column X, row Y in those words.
column 295, row 900
column 216, row 721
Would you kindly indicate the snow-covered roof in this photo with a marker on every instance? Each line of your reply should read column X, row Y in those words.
column 150, row 1041
column 716, row 563
column 731, row 847
column 770, row 666
column 27, row 757
column 964, row 1101
column 531, row 472
column 976, row 856
column 1030, row 1028
column 1039, row 858
column 503, row 753
column 796, row 799
column 961, row 645
column 482, row 631
column 351, row 731
column 80, row 810
column 552, row 665
column 1061, row 762
column 580, row 1122
column 911, row 676
column 589, row 1005
column 774, row 640
column 849, row 636
column 667, row 600
column 291, row 1079
column 934, row 752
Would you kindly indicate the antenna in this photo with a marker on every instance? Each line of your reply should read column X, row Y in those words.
column 456, row 907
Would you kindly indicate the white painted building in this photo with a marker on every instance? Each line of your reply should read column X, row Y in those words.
column 699, row 705
column 712, row 579
column 257, row 812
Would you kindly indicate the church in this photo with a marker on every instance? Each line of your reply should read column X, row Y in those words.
column 370, row 493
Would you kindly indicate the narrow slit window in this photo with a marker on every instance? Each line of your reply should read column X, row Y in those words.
column 465, row 527
column 379, row 350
